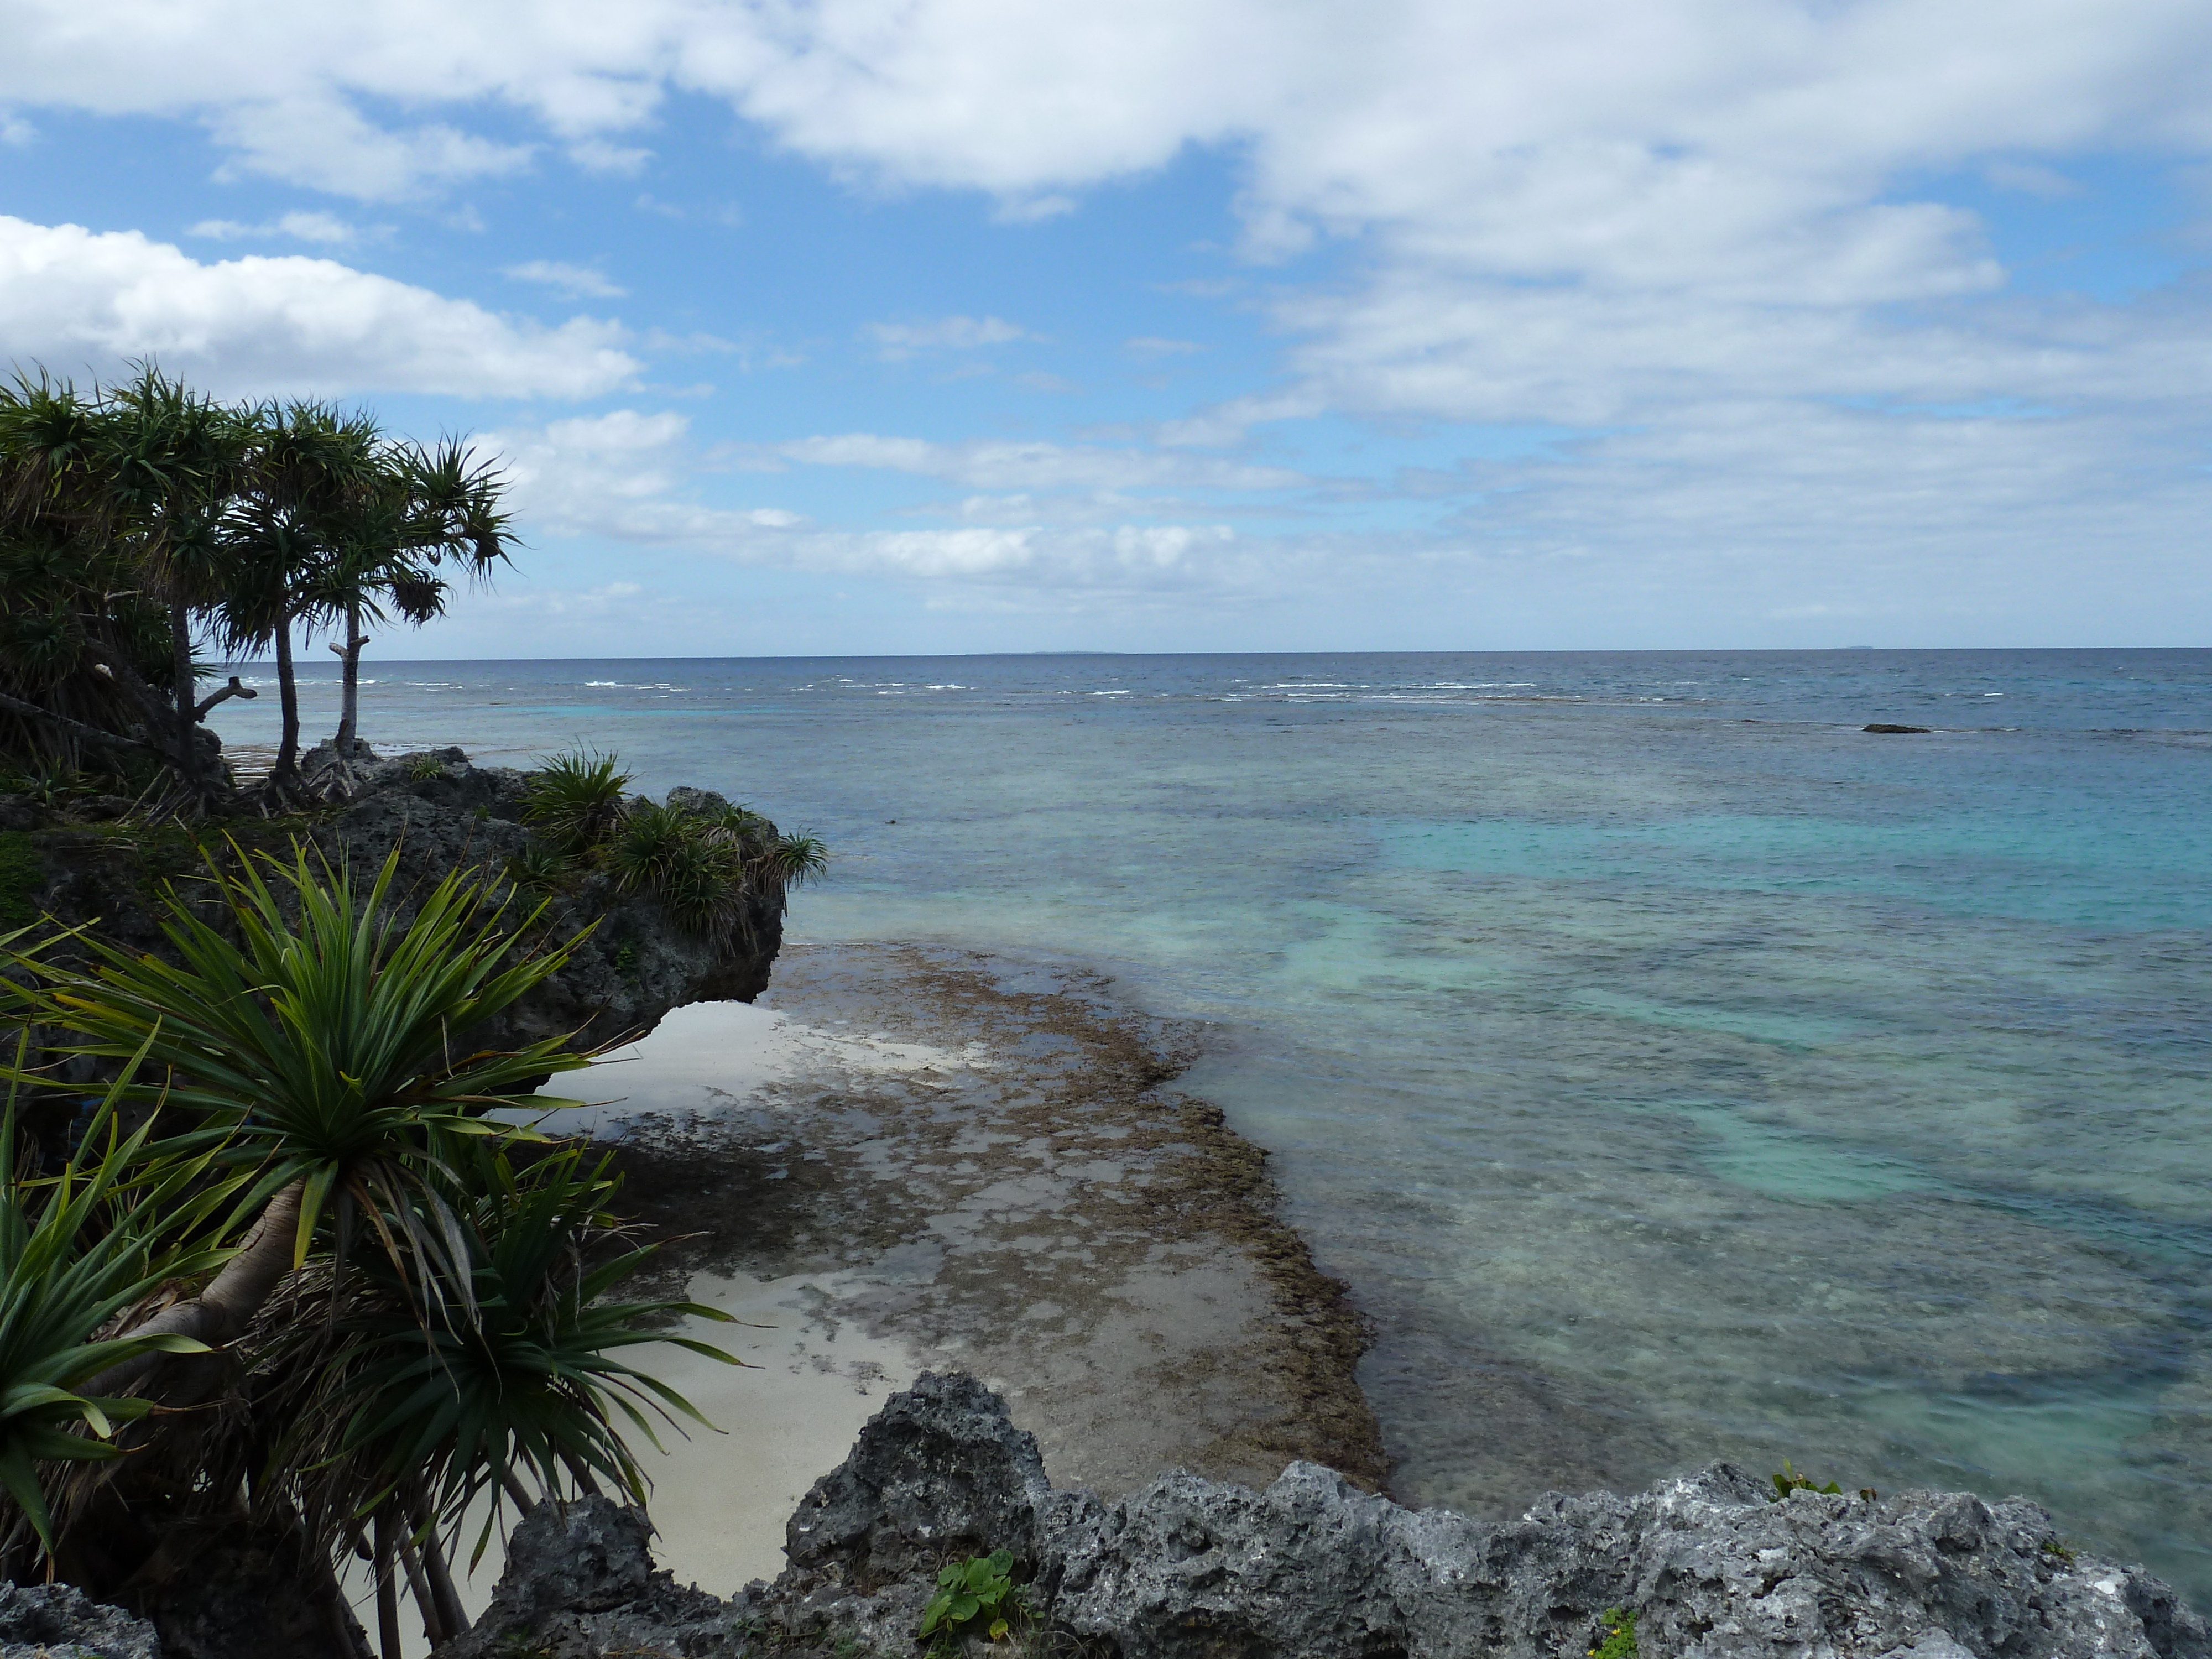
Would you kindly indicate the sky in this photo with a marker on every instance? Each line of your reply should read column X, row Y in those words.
column 828, row 326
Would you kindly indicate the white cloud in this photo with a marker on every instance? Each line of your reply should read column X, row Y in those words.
column 1752, row 522
column 325, row 143
column 324, row 227
column 995, row 464
column 575, row 281
column 624, row 477
column 896, row 340
column 1698, row 232
column 74, row 299
column 2031, row 178
column 598, row 156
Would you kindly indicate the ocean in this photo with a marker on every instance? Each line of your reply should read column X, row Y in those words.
column 1673, row 1070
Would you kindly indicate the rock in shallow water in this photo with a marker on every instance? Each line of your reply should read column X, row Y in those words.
column 1312, row 1568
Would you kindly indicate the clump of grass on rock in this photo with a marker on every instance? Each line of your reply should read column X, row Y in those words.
column 712, row 866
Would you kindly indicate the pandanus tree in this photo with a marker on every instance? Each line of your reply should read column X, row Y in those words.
column 312, row 467
column 106, row 509
column 429, row 511
column 410, row 1394
column 314, row 1031
column 139, row 518
column 168, row 462
column 309, row 1043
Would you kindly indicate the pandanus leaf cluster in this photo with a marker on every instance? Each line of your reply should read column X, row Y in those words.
column 76, row 1249
column 410, row 1285
column 316, row 1033
column 711, row 865
column 439, row 1394
column 143, row 523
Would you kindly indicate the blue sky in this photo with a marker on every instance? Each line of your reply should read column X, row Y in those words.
column 958, row 324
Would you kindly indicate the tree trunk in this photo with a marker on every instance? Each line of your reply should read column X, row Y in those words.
column 451, row 1613
column 388, row 1589
column 222, row 1312
column 347, row 1637
column 180, row 655
column 434, row 1616
column 287, row 693
column 350, row 656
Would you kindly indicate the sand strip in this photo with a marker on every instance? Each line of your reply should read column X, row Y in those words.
column 906, row 1157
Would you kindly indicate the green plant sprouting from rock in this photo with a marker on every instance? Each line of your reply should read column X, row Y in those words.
column 576, row 799
column 1620, row 1639
column 711, row 865
column 1788, row 1480
column 975, row 1595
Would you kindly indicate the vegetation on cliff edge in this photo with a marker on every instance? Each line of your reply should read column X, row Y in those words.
column 296, row 1262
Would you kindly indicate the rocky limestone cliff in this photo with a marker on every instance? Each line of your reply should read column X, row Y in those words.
column 443, row 813
column 1314, row 1569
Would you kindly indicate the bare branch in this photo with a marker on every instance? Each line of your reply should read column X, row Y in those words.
column 233, row 689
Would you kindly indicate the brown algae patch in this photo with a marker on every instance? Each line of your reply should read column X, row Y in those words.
column 990, row 1164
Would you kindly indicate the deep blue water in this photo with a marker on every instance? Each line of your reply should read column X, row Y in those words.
column 1674, row 1070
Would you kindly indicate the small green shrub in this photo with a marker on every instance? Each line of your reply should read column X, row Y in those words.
column 625, row 959
column 710, row 870
column 688, row 860
column 978, row 1593
column 644, row 849
column 706, row 890
column 537, row 868
column 49, row 785
column 1789, row 1480
column 740, row 823
column 794, row 859
column 1619, row 1641
column 577, row 798
column 423, row 768
column 2059, row 1548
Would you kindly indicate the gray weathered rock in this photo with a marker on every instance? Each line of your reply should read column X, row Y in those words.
column 940, row 1471
column 57, row 1621
column 635, row 966
column 1312, row 1568
column 580, row 1582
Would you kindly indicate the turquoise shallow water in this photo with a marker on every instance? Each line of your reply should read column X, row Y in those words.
column 1673, row 1070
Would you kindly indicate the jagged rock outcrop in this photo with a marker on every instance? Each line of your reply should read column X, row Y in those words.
column 56, row 1622
column 580, row 1582
column 635, row 966
column 443, row 813
column 1312, row 1568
